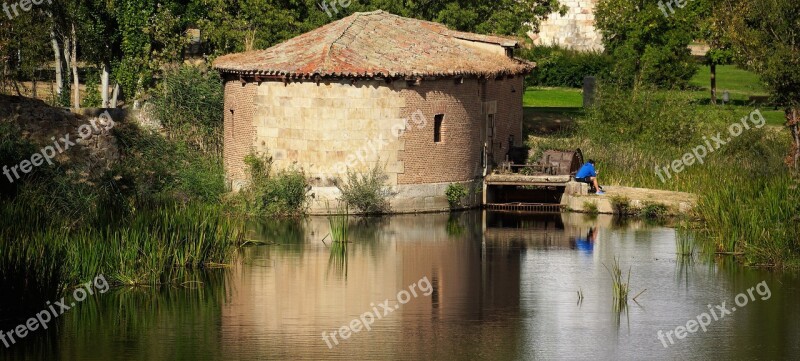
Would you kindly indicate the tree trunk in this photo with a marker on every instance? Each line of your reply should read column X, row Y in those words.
column 115, row 96
column 75, row 80
column 713, row 83
column 793, row 120
column 67, row 59
column 104, row 84
column 57, row 62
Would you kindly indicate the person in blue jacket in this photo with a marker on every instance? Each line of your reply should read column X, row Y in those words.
column 588, row 174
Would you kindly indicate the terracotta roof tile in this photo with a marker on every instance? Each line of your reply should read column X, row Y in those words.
column 377, row 44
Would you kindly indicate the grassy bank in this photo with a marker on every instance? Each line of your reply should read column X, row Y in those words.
column 156, row 211
column 747, row 199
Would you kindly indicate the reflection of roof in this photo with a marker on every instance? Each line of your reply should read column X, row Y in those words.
column 378, row 44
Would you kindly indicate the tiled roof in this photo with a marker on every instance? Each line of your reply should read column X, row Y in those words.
column 378, row 44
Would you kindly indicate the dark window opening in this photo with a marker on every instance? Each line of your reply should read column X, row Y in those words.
column 437, row 128
column 233, row 122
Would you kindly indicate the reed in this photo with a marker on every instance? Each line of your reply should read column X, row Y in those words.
column 144, row 249
column 684, row 244
column 619, row 288
column 339, row 221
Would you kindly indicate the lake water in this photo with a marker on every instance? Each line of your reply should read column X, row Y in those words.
column 488, row 286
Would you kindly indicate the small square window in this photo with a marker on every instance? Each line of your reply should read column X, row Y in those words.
column 437, row 128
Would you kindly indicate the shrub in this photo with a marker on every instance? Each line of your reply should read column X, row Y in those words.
column 366, row 192
column 455, row 194
column 189, row 103
column 590, row 207
column 560, row 67
column 13, row 150
column 622, row 205
column 282, row 194
column 93, row 98
column 152, row 166
column 654, row 211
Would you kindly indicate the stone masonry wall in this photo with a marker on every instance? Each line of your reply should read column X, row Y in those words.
column 333, row 126
column 330, row 127
column 575, row 30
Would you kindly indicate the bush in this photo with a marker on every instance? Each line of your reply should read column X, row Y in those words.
column 560, row 67
column 189, row 103
column 455, row 194
column 590, row 207
column 366, row 192
column 283, row 194
column 152, row 166
column 13, row 150
column 622, row 205
column 654, row 211
column 93, row 98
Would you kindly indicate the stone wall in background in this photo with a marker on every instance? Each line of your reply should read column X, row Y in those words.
column 574, row 30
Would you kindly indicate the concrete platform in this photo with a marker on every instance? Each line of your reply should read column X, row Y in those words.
column 577, row 195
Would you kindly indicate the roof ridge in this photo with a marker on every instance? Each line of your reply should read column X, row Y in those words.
column 355, row 17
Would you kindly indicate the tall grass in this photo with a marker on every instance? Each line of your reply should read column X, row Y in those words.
column 339, row 221
column 144, row 249
column 619, row 289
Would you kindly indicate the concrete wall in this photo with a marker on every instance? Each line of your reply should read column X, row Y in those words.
column 333, row 126
column 574, row 30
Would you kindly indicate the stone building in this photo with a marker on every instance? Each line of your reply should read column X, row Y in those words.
column 574, row 30
column 429, row 104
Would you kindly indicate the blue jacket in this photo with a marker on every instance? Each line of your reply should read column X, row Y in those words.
column 586, row 171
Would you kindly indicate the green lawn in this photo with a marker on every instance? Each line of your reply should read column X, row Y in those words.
column 741, row 84
column 730, row 78
column 553, row 98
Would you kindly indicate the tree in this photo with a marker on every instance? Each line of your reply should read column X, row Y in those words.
column 710, row 31
column 649, row 46
column 765, row 35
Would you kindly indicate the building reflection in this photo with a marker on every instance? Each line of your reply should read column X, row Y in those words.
column 288, row 292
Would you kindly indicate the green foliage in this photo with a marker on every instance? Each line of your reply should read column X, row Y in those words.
column 621, row 205
column 590, row 207
column 189, row 103
column 93, row 98
column 339, row 222
column 276, row 194
column 754, row 216
column 13, row 149
column 144, row 248
column 619, row 289
column 366, row 192
column 654, row 210
column 764, row 38
column 747, row 199
column 648, row 48
column 642, row 116
column 158, row 168
column 560, row 67
column 455, row 195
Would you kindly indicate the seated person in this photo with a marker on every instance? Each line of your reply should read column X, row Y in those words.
column 588, row 174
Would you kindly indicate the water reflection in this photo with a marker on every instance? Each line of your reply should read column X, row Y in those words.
column 505, row 287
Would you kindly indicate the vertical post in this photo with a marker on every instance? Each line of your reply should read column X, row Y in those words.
column 589, row 88
column 713, row 83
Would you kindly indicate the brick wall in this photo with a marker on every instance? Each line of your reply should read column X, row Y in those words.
column 239, row 131
column 458, row 157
